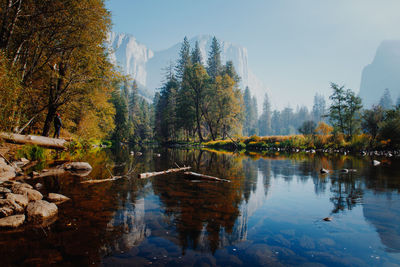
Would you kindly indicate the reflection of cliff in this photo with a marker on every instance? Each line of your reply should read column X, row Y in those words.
column 129, row 223
column 383, row 212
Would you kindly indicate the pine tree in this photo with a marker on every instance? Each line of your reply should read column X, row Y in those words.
column 247, row 112
column 196, row 54
column 265, row 118
column 214, row 65
column 184, row 59
column 386, row 101
column 319, row 108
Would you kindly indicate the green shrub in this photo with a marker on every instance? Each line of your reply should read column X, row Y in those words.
column 32, row 152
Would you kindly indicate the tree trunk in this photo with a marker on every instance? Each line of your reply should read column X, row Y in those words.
column 198, row 123
column 47, row 123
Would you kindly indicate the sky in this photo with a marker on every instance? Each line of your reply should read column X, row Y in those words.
column 296, row 48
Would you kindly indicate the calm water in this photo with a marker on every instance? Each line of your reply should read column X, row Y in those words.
column 269, row 215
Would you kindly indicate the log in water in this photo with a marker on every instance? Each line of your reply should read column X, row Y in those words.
column 151, row 174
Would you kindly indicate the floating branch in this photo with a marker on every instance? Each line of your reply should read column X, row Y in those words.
column 206, row 177
column 151, row 174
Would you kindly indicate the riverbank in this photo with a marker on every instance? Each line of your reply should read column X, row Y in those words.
column 361, row 144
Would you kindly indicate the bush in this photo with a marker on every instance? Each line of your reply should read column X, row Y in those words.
column 32, row 152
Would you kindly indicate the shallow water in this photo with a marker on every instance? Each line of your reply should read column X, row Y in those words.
column 269, row 215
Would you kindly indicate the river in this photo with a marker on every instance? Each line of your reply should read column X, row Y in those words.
column 270, row 214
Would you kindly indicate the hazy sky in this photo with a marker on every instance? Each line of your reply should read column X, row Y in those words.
column 295, row 47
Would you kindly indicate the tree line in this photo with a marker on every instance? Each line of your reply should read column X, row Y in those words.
column 196, row 101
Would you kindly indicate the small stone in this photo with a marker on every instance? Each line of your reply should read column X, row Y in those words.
column 38, row 186
column 327, row 219
column 57, row 198
column 12, row 221
column 344, row 171
column 375, row 162
column 40, row 210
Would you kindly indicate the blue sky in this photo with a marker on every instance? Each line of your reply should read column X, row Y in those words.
column 295, row 47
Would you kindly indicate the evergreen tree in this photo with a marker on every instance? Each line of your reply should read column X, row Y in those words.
column 254, row 124
column 196, row 54
column 398, row 101
column 230, row 70
column 265, row 118
column 386, row 101
column 319, row 108
column 247, row 112
column 184, row 59
column 214, row 65
column 121, row 130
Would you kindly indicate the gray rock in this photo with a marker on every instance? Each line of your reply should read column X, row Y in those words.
column 19, row 199
column 57, row 198
column 12, row 221
column 40, row 210
column 38, row 186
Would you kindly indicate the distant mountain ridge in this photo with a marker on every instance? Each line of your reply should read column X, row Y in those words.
column 146, row 66
column 382, row 73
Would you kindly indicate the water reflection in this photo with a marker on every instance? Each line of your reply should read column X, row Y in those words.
column 270, row 213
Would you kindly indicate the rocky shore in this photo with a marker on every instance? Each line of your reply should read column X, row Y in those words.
column 21, row 203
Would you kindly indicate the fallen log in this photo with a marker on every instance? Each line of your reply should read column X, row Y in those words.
column 151, row 174
column 42, row 141
column 206, row 177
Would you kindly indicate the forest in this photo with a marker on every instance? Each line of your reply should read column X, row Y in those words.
column 53, row 60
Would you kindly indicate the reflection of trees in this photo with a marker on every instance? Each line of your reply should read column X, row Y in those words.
column 347, row 192
column 203, row 211
column 382, row 201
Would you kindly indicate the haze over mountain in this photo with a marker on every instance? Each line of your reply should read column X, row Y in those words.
column 148, row 67
column 383, row 72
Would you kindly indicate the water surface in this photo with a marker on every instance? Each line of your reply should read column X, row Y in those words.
column 269, row 215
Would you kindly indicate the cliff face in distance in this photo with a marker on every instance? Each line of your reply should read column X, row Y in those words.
column 383, row 72
column 146, row 66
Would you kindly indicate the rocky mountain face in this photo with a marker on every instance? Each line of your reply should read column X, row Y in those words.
column 383, row 72
column 147, row 67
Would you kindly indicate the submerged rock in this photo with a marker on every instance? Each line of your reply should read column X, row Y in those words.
column 327, row 219
column 40, row 211
column 57, row 198
column 376, row 163
column 12, row 221
column 323, row 171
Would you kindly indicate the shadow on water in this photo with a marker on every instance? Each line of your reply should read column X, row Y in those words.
column 269, row 214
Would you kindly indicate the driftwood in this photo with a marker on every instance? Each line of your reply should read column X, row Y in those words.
column 42, row 141
column 206, row 177
column 151, row 174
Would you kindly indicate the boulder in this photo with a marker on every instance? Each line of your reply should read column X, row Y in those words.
column 57, row 198
column 9, row 207
column 19, row 199
column 4, row 190
column 77, row 166
column 18, row 185
column 40, row 211
column 31, row 194
column 6, row 171
column 12, row 221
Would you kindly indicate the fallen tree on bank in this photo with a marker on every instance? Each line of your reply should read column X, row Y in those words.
column 42, row 141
